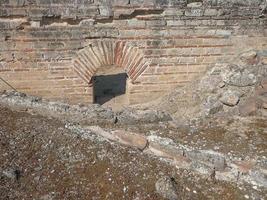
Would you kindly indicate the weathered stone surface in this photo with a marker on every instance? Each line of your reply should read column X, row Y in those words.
column 249, row 57
column 166, row 187
column 259, row 176
column 131, row 139
column 238, row 77
column 239, row 2
column 169, row 152
column 245, row 166
column 99, row 131
column 10, row 173
column 194, row 12
column 212, row 159
column 249, row 107
column 211, row 12
column 212, row 105
column 132, row 116
column 261, row 89
column 194, row 5
column 230, row 98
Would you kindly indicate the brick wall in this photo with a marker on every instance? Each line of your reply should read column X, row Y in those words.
column 53, row 48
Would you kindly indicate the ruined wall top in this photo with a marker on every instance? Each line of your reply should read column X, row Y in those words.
column 82, row 9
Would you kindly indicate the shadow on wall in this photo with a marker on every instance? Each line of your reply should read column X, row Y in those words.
column 107, row 87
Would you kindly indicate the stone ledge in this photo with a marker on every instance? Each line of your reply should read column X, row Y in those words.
column 202, row 161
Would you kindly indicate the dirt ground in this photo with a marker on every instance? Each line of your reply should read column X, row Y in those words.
column 41, row 159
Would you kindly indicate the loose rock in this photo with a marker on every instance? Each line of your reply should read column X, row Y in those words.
column 165, row 186
column 230, row 98
column 236, row 76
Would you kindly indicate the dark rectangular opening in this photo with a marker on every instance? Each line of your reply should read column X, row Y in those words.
column 107, row 87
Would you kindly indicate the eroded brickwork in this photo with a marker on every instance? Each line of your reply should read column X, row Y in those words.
column 52, row 48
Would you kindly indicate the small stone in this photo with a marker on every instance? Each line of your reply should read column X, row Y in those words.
column 230, row 98
column 125, row 188
column 221, row 84
column 249, row 57
column 246, row 196
column 12, row 174
column 9, row 174
column 216, row 147
column 165, row 186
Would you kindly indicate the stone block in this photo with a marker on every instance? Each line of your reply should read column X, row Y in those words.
column 123, row 137
column 142, row 3
column 136, row 23
column 212, row 159
column 175, row 23
column 154, row 23
column 87, row 22
column 121, row 2
column 127, row 33
column 210, row 12
column 122, row 13
column 131, row 139
column 105, row 11
column 196, row 12
column 3, row 12
column 99, row 131
column 174, row 12
column 169, row 152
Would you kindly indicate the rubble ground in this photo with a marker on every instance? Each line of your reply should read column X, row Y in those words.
column 42, row 159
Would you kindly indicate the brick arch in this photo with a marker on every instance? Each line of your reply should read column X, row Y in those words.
column 106, row 53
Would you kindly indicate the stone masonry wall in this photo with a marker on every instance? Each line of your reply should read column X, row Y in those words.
column 52, row 48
